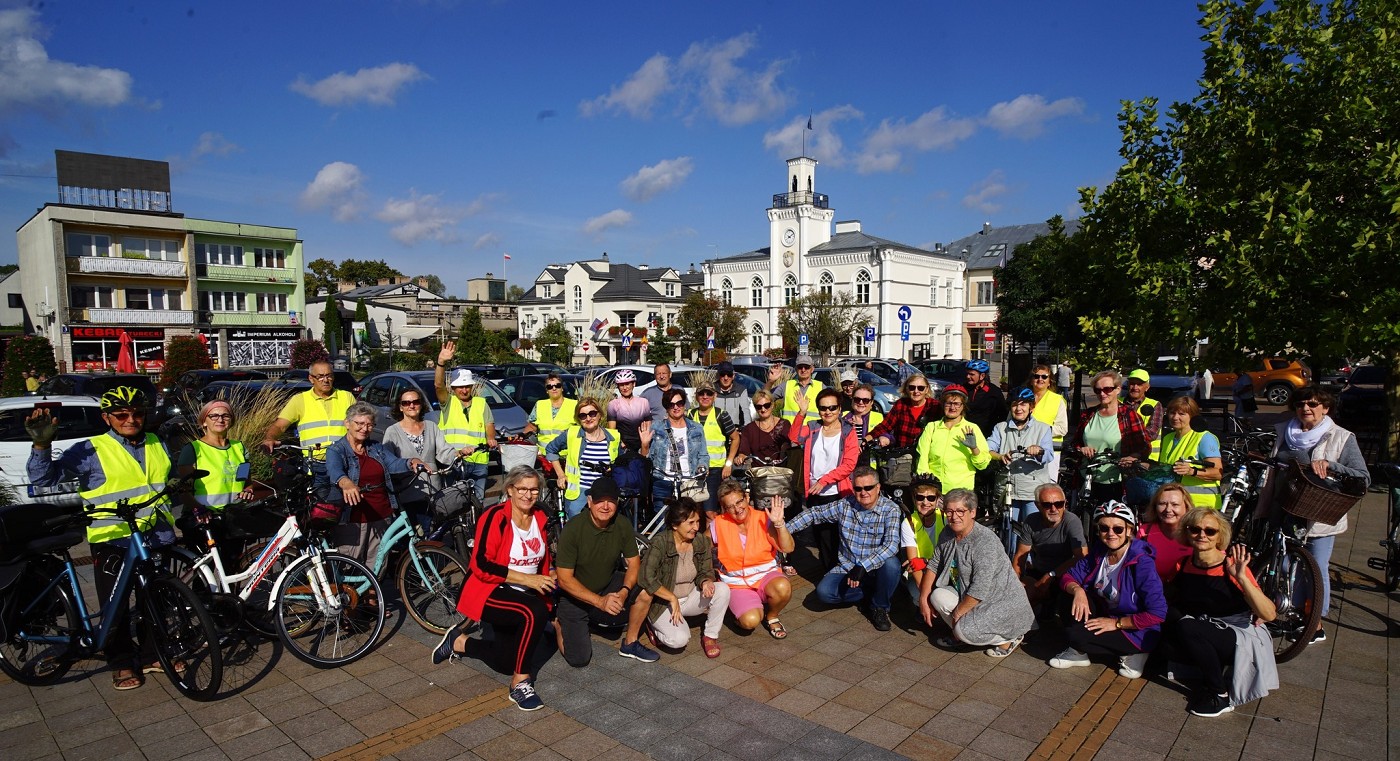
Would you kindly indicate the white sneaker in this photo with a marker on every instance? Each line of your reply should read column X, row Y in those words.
column 1069, row 658
column 1131, row 666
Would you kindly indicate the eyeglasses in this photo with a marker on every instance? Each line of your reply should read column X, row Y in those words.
column 955, row 513
column 767, row 406
column 218, row 416
column 589, row 415
column 1114, row 530
column 326, row 376
column 1199, row 530
column 526, row 489
column 676, row 404
column 864, row 489
column 552, row 386
column 828, row 407
column 927, row 497
column 626, row 383
column 1041, row 376
column 411, row 403
column 1058, row 504
column 917, row 388
column 804, row 367
column 952, row 402
column 862, row 400
column 1106, row 390
column 127, row 414
column 1310, row 404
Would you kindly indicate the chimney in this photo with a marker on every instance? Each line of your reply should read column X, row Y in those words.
column 345, row 285
column 643, row 266
column 986, row 227
column 849, row 226
column 605, row 256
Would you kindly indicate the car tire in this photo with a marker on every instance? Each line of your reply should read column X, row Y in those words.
column 1279, row 394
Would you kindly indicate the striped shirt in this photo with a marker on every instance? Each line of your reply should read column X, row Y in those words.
column 593, row 451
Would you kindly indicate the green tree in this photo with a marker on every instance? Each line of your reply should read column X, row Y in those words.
column 434, row 284
column 367, row 271
column 660, row 347
column 514, row 293
column 473, row 347
column 6, row 269
column 703, row 310
column 1032, row 303
column 33, row 353
column 828, row 319
column 306, row 351
column 320, row 273
column 555, row 342
column 182, row 354
column 334, row 331
column 1264, row 214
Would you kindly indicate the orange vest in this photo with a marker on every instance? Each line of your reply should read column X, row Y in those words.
column 744, row 560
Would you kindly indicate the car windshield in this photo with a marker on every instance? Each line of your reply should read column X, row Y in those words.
column 74, row 422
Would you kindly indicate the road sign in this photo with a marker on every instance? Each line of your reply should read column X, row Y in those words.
column 627, row 342
column 710, row 334
column 710, row 343
column 585, row 346
column 905, row 313
column 802, row 340
column 989, row 335
column 870, row 334
column 904, row 330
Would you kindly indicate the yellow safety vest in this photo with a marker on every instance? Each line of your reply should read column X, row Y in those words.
column 921, row 537
column 463, row 430
column 551, row 424
column 790, row 399
column 126, row 479
column 715, row 443
column 1046, row 409
column 1146, row 418
column 323, row 420
column 221, row 486
column 573, row 455
column 1203, row 493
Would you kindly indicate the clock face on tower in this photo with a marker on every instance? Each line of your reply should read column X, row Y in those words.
column 789, row 236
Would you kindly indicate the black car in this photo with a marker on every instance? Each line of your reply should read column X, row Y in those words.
column 344, row 381
column 196, row 380
column 516, row 369
column 525, row 390
column 240, row 394
column 1362, row 404
column 945, row 370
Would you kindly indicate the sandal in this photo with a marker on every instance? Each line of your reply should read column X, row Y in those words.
column 948, row 642
column 127, row 679
column 775, row 628
column 710, row 646
column 1004, row 649
column 789, row 572
column 154, row 667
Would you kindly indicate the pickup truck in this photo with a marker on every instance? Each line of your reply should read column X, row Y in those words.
column 1275, row 379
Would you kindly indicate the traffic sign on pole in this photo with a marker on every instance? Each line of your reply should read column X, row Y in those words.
column 905, row 313
column 904, row 330
column 802, row 341
column 870, row 333
column 585, row 346
column 627, row 342
column 989, row 335
column 710, row 344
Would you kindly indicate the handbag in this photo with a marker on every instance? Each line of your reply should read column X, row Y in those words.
column 687, row 488
column 770, row 481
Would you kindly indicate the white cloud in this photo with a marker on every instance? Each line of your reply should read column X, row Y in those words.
column 377, row 86
column 30, row 79
column 884, row 149
column 823, row 142
column 1025, row 116
column 983, row 194
column 338, row 187
column 615, row 218
column 420, row 217
column 213, row 144
column 650, row 181
column 486, row 240
column 730, row 93
column 638, row 94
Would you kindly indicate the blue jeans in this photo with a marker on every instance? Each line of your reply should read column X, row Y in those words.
column 881, row 584
column 575, row 506
column 1021, row 509
column 1321, row 549
column 478, row 472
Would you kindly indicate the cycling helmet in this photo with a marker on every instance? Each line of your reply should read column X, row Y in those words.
column 625, row 376
column 980, row 365
column 1021, row 394
column 954, row 389
column 926, row 479
column 123, row 398
column 1115, row 509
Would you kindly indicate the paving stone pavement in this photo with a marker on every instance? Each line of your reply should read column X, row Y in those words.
column 835, row 688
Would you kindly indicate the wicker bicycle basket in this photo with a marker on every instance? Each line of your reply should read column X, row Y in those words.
column 1308, row 498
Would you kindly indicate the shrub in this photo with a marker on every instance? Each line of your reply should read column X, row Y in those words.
column 306, row 351
column 26, row 353
column 182, row 354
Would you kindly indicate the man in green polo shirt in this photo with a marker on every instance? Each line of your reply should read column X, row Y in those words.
column 594, row 591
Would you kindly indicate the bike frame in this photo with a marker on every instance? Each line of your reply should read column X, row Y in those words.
column 211, row 567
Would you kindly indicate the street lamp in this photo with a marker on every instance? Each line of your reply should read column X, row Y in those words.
column 389, row 322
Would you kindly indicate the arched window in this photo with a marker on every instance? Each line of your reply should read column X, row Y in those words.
column 756, row 292
column 726, row 292
column 826, row 284
column 756, row 339
column 863, row 287
column 789, row 288
column 578, row 299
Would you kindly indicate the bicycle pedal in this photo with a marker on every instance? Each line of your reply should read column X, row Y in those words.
column 1377, row 564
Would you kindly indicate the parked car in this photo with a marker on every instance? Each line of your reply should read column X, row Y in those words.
column 82, row 384
column 944, row 370
column 195, row 380
column 525, row 390
column 78, row 418
column 644, row 374
column 515, row 369
column 1167, row 381
column 888, row 373
column 1361, row 404
column 344, row 380
column 384, row 389
column 1275, row 379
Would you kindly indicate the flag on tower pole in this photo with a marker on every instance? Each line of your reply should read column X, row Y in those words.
column 804, row 133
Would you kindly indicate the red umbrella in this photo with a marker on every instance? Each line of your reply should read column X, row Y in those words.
column 126, row 361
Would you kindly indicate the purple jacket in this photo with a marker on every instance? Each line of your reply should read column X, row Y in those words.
column 1139, row 590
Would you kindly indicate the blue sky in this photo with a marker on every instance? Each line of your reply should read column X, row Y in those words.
column 440, row 135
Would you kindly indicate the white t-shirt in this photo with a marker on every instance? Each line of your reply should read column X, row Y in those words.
column 678, row 437
column 526, row 550
column 1106, row 580
column 826, row 455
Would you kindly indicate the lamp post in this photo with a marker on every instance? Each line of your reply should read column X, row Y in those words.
column 389, row 322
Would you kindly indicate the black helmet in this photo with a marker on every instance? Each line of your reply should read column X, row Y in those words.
column 124, row 398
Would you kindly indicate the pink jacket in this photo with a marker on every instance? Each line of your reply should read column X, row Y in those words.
column 805, row 435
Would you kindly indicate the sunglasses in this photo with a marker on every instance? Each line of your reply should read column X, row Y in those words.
column 1114, row 530
column 676, row 404
column 1058, row 504
column 1041, row 376
column 410, row 403
column 1310, row 404
column 726, row 375
column 321, row 377
column 828, row 407
column 927, row 497
column 767, row 406
column 862, row 400
column 552, row 386
column 917, row 388
column 1199, row 530
column 1106, row 390
column 704, row 393
column 128, row 414
column 864, row 489
column 588, row 415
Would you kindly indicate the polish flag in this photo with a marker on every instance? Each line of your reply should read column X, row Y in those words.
column 505, row 256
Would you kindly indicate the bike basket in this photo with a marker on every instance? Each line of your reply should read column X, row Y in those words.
column 770, row 481
column 22, row 524
column 326, row 514
column 897, row 471
column 514, row 455
column 451, row 500
column 1310, row 499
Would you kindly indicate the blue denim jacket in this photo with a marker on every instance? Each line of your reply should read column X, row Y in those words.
column 661, row 466
column 341, row 462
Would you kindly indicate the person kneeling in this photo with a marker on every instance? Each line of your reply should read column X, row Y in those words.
column 867, row 562
column 678, row 571
column 973, row 588
column 594, row 591
column 747, row 543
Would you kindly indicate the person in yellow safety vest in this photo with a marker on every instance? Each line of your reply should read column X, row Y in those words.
column 1182, row 445
column 220, row 459
column 721, row 439
column 466, row 419
column 919, row 531
column 588, row 442
column 1150, row 411
column 1051, row 409
column 801, row 386
column 123, row 463
column 552, row 415
column 952, row 448
column 319, row 415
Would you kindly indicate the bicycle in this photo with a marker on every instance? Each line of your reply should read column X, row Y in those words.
column 894, row 465
column 997, row 516
column 48, row 627
column 429, row 575
column 1390, row 564
column 1077, row 477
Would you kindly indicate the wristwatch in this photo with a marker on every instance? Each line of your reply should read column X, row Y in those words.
column 1051, row 573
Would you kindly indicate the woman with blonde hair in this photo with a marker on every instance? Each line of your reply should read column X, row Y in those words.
column 1109, row 427
column 1162, row 528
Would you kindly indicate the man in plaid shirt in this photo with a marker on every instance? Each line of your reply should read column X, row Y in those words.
column 868, row 565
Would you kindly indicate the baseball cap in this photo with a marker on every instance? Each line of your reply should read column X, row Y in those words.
column 462, row 377
column 604, row 488
column 1139, row 375
column 724, row 368
column 849, row 376
column 805, row 359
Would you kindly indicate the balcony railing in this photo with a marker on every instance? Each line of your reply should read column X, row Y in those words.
column 245, row 274
column 249, row 319
column 800, row 198
column 112, row 265
column 102, row 316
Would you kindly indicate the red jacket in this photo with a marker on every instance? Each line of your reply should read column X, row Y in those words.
column 490, row 560
column 805, row 435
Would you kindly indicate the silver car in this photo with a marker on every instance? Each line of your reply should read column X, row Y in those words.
column 383, row 390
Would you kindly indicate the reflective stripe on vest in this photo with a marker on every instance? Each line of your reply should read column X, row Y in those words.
column 573, row 455
column 221, row 486
column 125, row 479
column 1203, row 493
column 790, row 399
column 462, row 430
column 714, row 436
column 551, row 424
column 1046, row 409
column 921, row 537
column 323, row 420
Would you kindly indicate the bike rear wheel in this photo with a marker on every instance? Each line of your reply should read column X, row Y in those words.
column 39, row 639
column 1293, row 581
column 430, row 579
column 330, row 609
column 183, row 633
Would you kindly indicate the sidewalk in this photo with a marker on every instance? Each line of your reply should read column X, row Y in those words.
column 835, row 688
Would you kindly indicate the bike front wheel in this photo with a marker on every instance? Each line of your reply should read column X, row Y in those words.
column 40, row 635
column 1292, row 579
column 430, row 579
column 185, row 638
column 330, row 609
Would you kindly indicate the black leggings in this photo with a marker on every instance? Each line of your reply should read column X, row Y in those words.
column 518, row 619
column 121, row 650
column 1207, row 645
column 1113, row 642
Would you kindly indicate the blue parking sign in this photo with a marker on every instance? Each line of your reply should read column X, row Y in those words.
column 904, row 331
column 870, row 334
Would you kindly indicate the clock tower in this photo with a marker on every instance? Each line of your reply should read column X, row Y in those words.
column 799, row 219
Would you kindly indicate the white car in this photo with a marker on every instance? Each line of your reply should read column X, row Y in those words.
column 646, row 377
column 78, row 418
